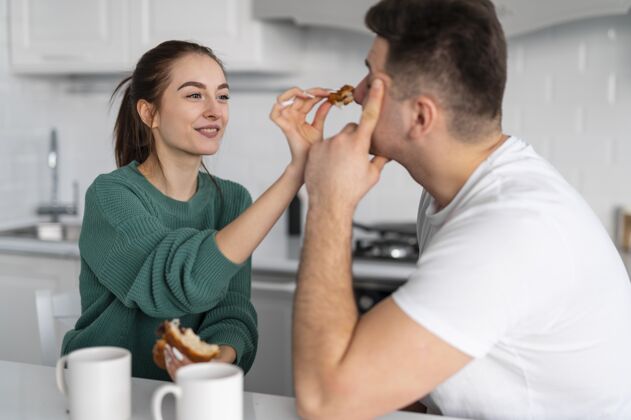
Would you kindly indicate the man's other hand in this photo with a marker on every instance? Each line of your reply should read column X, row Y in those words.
column 339, row 172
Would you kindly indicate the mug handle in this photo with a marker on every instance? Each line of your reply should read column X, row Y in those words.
column 61, row 381
column 159, row 394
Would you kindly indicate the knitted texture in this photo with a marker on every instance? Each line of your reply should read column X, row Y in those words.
column 146, row 257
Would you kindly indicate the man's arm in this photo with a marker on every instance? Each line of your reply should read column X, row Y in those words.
column 344, row 366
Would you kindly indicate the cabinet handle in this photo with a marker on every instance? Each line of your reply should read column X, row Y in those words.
column 289, row 287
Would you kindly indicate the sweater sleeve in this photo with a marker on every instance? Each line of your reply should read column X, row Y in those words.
column 233, row 321
column 164, row 272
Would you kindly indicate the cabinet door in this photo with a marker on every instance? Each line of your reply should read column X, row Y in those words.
column 226, row 26
column 272, row 297
column 20, row 277
column 69, row 35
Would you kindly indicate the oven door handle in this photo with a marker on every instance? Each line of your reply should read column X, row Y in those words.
column 289, row 287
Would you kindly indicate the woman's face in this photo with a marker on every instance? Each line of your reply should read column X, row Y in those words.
column 193, row 111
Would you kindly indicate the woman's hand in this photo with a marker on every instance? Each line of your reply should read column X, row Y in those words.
column 174, row 359
column 290, row 113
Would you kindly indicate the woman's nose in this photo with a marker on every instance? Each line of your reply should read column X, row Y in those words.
column 213, row 110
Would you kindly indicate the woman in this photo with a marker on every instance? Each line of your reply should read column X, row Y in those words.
column 162, row 240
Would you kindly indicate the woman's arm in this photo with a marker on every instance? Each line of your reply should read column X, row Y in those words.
column 238, row 240
column 233, row 322
column 164, row 272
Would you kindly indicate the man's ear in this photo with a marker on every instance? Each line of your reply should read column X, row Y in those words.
column 425, row 113
column 147, row 113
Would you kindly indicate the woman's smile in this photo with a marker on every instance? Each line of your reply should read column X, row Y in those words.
column 210, row 131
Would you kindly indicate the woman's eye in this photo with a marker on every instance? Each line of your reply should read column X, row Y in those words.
column 224, row 97
column 195, row 96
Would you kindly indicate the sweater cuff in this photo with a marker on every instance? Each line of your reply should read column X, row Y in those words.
column 234, row 340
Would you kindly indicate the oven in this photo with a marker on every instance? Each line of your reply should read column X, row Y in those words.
column 370, row 292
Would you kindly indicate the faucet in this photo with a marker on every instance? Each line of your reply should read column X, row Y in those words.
column 54, row 208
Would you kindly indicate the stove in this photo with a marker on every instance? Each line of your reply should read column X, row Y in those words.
column 386, row 241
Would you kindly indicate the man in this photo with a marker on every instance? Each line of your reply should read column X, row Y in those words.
column 520, row 306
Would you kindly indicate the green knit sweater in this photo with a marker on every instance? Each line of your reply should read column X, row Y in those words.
column 146, row 257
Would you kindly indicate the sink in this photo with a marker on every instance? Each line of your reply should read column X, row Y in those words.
column 45, row 231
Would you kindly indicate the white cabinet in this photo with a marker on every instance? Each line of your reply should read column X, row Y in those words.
column 105, row 36
column 226, row 26
column 517, row 16
column 272, row 297
column 68, row 36
column 20, row 277
column 522, row 16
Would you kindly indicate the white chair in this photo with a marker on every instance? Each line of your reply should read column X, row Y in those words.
column 57, row 313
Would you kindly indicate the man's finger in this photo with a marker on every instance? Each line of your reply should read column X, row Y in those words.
column 379, row 162
column 372, row 109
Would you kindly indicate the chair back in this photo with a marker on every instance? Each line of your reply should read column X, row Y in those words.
column 57, row 312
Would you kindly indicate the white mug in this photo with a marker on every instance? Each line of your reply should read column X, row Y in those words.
column 97, row 383
column 204, row 391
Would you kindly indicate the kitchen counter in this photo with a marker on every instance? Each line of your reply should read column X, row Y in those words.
column 29, row 392
column 276, row 254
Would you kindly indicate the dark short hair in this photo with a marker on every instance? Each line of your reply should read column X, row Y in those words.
column 454, row 49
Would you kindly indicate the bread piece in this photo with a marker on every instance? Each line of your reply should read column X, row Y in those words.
column 158, row 353
column 185, row 340
column 343, row 96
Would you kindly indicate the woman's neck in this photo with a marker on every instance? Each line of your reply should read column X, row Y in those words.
column 175, row 178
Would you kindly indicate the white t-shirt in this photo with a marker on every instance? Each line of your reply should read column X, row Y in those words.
column 519, row 273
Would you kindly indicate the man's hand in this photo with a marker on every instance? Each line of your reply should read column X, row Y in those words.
column 338, row 171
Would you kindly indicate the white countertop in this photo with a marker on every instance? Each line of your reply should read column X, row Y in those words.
column 276, row 254
column 29, row 392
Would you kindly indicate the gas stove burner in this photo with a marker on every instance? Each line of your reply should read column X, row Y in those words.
column 387, row 241
column 386, row 249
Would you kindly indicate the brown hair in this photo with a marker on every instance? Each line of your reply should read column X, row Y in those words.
column 453, row 48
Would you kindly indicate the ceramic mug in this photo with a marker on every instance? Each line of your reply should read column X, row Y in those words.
column 204, row 391
column 97, row 383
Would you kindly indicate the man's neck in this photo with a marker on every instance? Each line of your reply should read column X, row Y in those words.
column 444, row 170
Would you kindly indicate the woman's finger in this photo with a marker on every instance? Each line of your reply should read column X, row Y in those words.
column 288, row 94
column 170, row 362
column 320, row 116
column 349, row 128
column 319, row 92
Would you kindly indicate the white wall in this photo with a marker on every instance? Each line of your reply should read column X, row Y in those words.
column 569, row 94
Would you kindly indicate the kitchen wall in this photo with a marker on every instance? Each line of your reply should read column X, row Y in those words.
column 569, row 94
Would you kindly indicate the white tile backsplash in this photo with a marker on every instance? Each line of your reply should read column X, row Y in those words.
column 568, row 94
column 582, row 111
